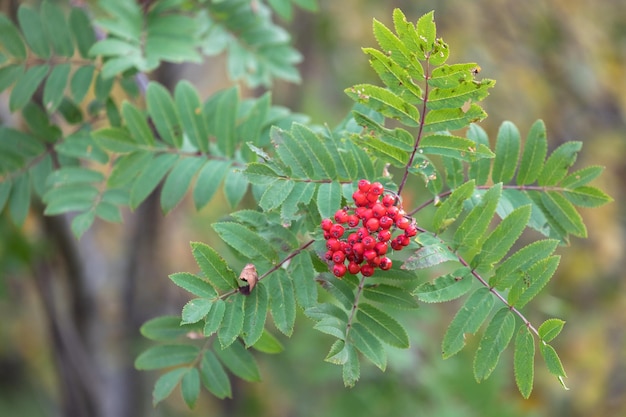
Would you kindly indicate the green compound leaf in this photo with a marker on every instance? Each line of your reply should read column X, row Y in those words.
column 194, row 284
column 239, row 361
column 213, row 376
column 550, row 329
column 232, row 322
column 524, row 361
column 535, row 150
column 255, row 313
column 495, row 339
column 164, row 356
column 447, row 287
column 507, row 151
column 451, row 208
column 382, row 325
column 214, row 268
column 166, row 383
column 468, row 319
column 245, row 241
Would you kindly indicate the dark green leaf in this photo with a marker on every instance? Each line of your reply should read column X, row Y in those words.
column 190, row 111
column 532, row 281
column 522, row 260
column 223, row 120
column 447, row 287
column 301, row 193
column 302, row 274
column 450, row 209
column 433, row 252
column 321, row 160
column 58, row 30
column 164, row 356
column 454, row 147
column 19, row 202
column 390, row 295
column 10, row 74
column 12, row 42
column 164, row 114
column 26, row 86
column 83, row 32
column 137, row 124
column 166, row 383
column 255, row 313
column 55, row 85
column 239, row 361
column 382, row 325
column 495, row 339
column 351, row 368
column 468, row 319
column 245, row 241
column 178, row 180
column 385, row 102
column 232, row 322
column 213, row 267
column 150, row 177
column 208, row 181
column 214, row 319
column 582, row 177
column 190, row 387
column 32, row 29
column 214, row 377
column 115, row 139
column 81, row 82
column 586, row 196
column 524, row 361
column 282, row 301
column 275, row 194
column 470, row 233
column 369, row 345
column 235, row 187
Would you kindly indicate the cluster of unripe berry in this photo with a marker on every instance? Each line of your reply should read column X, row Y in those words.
column 359, row 238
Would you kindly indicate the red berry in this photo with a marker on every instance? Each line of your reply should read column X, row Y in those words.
column 376, row 188
column 374, row 261
column 378, row 210
column 353, row 268
column 372, row 224
column 385, row 263
column 362, row 232
column 372, row 198
column 339, row 270
column 404, row 240
column 360, row 198
column 392, row 211
column 327, row 235
column 411, row 230
column 337, row 230
column 364, row 185
column 333, row 244
column 339, row 257
column 327, row 224
column 369, row 255
column 384, row 235
column 381, row 248
column 341, row 216
column 367, row 270
column 402, row 223
column 352, row 239
column 368, row 242
column 358, row 249
column 385, row 222
column 389, row 200
column 396, row 245
column 328, row 255
column 353, row 220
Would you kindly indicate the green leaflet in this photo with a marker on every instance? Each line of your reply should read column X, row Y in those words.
column 395, row 77
column 455, row 172
column 166, row 328
column 150, row 177
column 385, row 102
column 531, row 282
column 235, row 187
column 382, row 325
column 508, row 271
column 32, row 29
column 382, row 150
column 214, row 268
column 369, row 345
column 339, row 288
column 190, row 387
column 282, row 301
column 433, row 252
column 550, row 329
column 446, row 287
column 178, row 180
column 586, row 196
column 11, row 40
column 553, row 362
column 84, row 34
column 164, row 114
column 166, row 383
column 560, row 210
column 245, row 241
column 275, row 194
column 321, row 159
column 468, row 319
column 57, row 29
column 470, row 233
column 196, row 310
column 403, row 47
column 137, row 124
column 302, row 193
column 55, row 86
column 524, row 361
column 328, row 198
column 581, row 177
column 239, row 361
column 495, row 339
column 390, row 295
column 221, row 110
column 268, row 343
column 194, row 284
column 479, row 170
column 232, row 323
column 213, row 376
column 81, row 82
column 535, row 150
column 507, row 151
column 558, row 163
column 451, row 208
column 255, row 312
column 208, row 181
column 454, row 147
column 26, row 85
column 213, row 321
column 302, row 274
column 164, row 356
column 456, row 97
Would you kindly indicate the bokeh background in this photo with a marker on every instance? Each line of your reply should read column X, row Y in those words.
column 563, row 61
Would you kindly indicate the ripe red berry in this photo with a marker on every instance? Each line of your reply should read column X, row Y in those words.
column 352, row 239
column 384, row 235
column 401, row 223
column 362, row 232
column 339, row 270
column 385, row 222
column 353, row 268
column 385, row 263
column 328, row 255
column 327, row 224
column 368, row 242
column 367, row 270
column 364, row 185
column 369, row 255
column 389, row 200
column 404, row 240
column 376, row 188
column 411, row 230
column 374, row 261
column 372, row 224
column 339, row 257
column 333, row 244
column 353, row 220
column 372, row 198
column 378, row 210
column 381, row 248
column 392, row 212
column 327, row 235
column 396, row 245
column 337, row 230
column 358, row 249
column 360, row 198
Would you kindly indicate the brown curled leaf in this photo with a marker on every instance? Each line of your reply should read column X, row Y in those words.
column 249, row 275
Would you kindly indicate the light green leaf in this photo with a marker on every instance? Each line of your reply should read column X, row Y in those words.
column 268, row 343
column 524, row 361
column 553, row 362
column 404, row 47
column 213, row 267
column 427, row 32
column 232, row 322
column 255, row 313
column 208, row 181
column 564, row 213
column 390, row 296
column 454, row 147
column 450, row 209
column 245, row 241
column 166, row 383
column 275, row 194
column 26, row 85
column 235, row 187
column 164, row 114
column 150, row 177
column 190, row 111
column 395, row 77
column 178, row 180
column 382, row 325
column 165, row 329
column 507, row 273
column 582, row 177
column 447, row 287
column 507, row 152
column 282, row 301
column 468, row 319
column 164, row 356
column 190, row 387
column 239, row 361
column 558, row 163
column 479, row 170
column 302, row 275
column 385, row 102
column 470, row 233
column 386, row 152
column 369, row 345
column 430, row 254
column 115, row 139
column 213, row 376
column 586, row 196
column 194, row 284
column 453, row 119
column 195, row 310
column 535, row 150
column 495, row 339
column 351, row 368
column 532, row 281
column 214, row 319
column 328, row 198
column 550, row 329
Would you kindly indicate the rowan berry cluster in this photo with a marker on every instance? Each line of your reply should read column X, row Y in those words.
column 359, row 238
